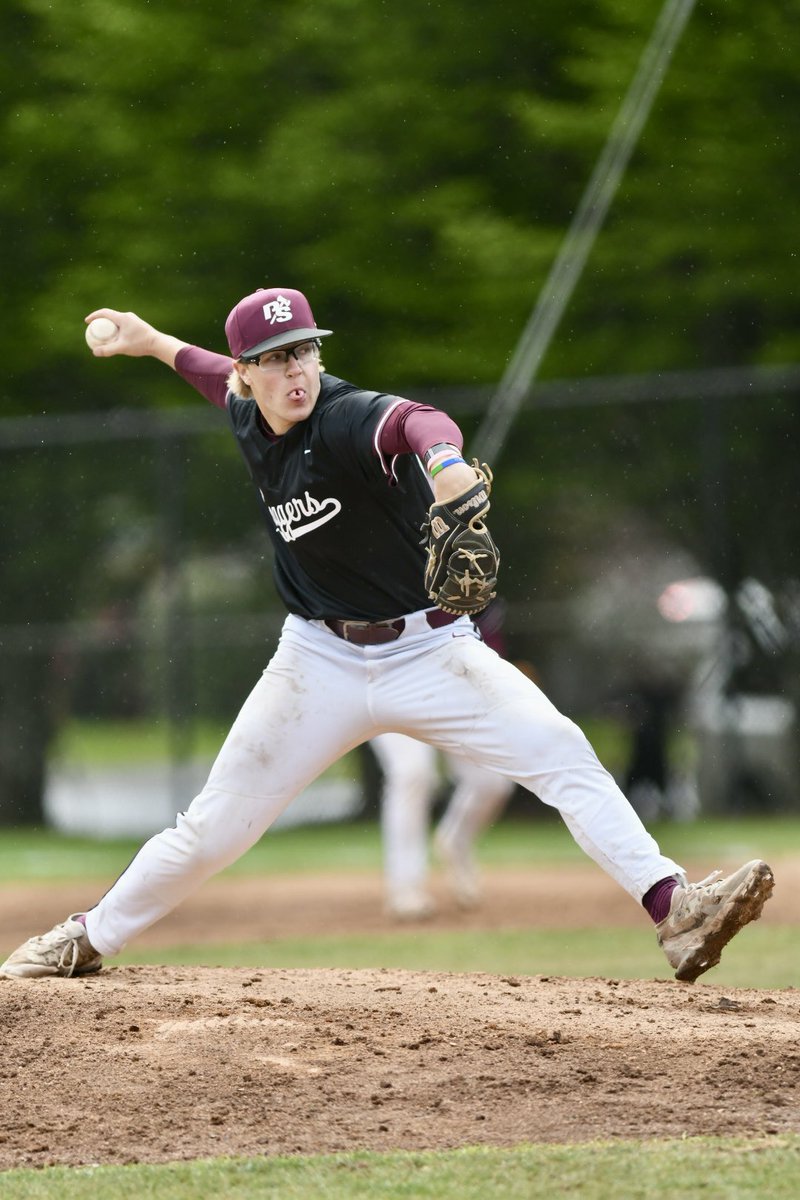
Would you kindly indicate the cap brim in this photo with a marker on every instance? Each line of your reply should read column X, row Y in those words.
column 283, row 341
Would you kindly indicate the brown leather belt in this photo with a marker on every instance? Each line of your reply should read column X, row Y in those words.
column 376, row 633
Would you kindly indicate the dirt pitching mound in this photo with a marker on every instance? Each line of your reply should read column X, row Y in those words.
column 147, row 1064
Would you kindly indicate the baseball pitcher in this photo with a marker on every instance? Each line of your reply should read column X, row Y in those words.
column 382, row 555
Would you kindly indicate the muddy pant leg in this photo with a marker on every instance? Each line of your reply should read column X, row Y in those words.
column 464, row 699
column 302, row 715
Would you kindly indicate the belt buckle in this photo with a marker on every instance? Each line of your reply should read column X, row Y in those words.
column 346, row 626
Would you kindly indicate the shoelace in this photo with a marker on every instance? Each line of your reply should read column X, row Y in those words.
column 712, row 878
column 692, row 896
column 70, row 953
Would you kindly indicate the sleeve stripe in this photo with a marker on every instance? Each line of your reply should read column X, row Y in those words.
column 376, row 441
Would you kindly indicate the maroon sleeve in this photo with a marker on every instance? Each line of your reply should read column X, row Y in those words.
column 411, row 428
column 205, row 371
column 490, row 622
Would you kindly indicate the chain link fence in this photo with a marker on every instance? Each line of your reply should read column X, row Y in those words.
column 138, row 610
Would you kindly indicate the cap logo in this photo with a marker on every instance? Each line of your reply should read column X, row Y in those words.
column 278, row 310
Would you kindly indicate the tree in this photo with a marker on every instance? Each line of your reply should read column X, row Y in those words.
column 413, row 168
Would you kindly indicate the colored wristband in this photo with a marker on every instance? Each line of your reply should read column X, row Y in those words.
column 440, row 458
column 439, row 449
column 449, row 462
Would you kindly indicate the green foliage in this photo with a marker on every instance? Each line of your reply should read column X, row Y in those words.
column 414, row 168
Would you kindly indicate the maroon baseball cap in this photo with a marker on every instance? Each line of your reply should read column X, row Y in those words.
column 269, row 319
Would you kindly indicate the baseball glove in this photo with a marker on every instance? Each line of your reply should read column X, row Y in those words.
column 461, row 569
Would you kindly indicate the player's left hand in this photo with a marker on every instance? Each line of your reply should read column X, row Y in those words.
column 453, row 482
column 461, row 569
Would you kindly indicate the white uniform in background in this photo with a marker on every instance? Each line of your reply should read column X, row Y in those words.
column 410, row 786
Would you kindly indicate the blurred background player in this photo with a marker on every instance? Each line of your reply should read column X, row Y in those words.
column 411, row 786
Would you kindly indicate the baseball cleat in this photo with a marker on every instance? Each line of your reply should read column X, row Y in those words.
column 703, row 917
column 65, row 950
column 412, row 904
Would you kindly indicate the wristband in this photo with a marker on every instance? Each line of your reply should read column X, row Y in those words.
column 449, row 462
column 439, row 458
column 437, row 449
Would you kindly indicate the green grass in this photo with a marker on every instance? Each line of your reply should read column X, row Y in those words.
column 103, row 742
column 763, row 957
column 108, row 743
column 714, row 1168
column 34, row 855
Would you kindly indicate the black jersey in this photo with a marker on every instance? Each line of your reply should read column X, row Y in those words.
column 346, row 543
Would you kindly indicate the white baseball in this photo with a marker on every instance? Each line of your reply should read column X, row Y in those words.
column 101, row 330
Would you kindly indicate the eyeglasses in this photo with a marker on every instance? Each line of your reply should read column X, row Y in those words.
column 277, row 360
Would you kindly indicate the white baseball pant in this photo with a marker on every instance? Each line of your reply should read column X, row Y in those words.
column 318, row 698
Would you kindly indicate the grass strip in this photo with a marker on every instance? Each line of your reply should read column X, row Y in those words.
column 33, row 855
column 716, row 1168
column 763, row 957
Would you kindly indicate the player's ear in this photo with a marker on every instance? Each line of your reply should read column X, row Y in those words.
column 238, row 381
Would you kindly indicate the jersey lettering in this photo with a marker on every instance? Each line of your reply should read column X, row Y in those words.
column 287, row 517
column 339, row 496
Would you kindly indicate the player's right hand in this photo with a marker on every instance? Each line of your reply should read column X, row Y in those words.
column 135, row 338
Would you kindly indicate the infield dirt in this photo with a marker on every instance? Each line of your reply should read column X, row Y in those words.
column 149, row 1063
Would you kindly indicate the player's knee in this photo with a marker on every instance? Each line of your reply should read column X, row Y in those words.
column 564, row 732
column 205, row 845
column 552, row 737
